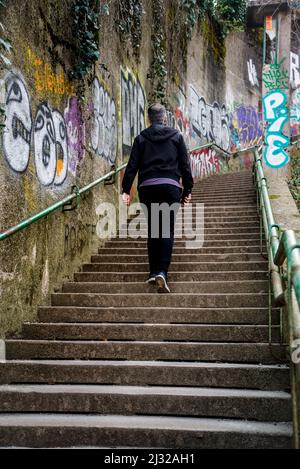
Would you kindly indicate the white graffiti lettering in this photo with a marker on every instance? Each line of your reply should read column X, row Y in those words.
column 133, row 109
column 294, row 70
column 252, row 73
column 104, row 133
column 209, row 121
column 18, row 123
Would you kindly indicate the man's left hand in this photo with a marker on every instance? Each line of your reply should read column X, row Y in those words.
column 188, row 199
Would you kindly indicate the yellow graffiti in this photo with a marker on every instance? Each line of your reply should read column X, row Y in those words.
column 45, row 79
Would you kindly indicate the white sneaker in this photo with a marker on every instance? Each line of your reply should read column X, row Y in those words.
column 151, row 280
column 161, row 282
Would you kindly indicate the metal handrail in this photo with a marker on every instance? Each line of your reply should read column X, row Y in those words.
column 221, row 150
column 61, row 203
column 281, row 246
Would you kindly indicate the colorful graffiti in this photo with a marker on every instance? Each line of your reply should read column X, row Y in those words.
column 275, row 77
column 45, row 79
column 276, row 114
column 246, row 127
column 179, row 118
column 205, row 162
column 50, row 134
column 295, row 112
column 240, row 128
column 104, row 131
column 133, row 101
column 209, row 121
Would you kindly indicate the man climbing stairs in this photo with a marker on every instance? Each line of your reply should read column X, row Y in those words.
column 111, row 363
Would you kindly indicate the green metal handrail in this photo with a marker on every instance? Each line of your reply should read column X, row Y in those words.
column 61, row 203
column 281, row 246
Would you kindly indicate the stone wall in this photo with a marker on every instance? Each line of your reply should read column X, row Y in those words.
column 54, row 139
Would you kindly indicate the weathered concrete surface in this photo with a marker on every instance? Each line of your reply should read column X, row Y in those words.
column 283, row 205
column 140, row 431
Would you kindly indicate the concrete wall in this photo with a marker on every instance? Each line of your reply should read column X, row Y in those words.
column 52, row 140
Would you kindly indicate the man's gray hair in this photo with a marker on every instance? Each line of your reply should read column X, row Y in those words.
column 157, row 113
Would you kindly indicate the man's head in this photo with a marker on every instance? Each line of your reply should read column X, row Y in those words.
column 157, row 114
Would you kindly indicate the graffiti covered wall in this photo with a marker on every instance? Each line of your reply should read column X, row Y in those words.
column 48, row 134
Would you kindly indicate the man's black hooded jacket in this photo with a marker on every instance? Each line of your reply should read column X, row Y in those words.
column 159, row 152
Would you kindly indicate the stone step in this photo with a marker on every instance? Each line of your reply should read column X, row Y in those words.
column 223, row 192
column 205, row 250
column 236, row 286
column 149, row 332
column 147, row 400
column 120, row 277
column 186, row 300
column 204, row 224
column 63, row 430
column 215, row 236
column 157, row 315
column 224, row 197
column 221, row 231
column 155, row 373
column 17, row 349
column 219, row 203
column 133, row 244
column 195, row 257
column 201, row 186
column 247, row 188
column 260, row 265
column 191, row 217
column 220, row 210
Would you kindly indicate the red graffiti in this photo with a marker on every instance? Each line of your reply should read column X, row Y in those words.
column 204, row 163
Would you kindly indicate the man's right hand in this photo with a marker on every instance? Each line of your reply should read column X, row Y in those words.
column 126, row 198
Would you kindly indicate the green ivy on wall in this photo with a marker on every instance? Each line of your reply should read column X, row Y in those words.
column 85, row 14
column 158, row 68
column 217, row 18
column 129, row 23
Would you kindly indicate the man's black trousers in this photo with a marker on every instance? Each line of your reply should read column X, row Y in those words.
column 161, row 240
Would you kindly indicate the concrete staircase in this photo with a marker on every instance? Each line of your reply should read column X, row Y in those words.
column 111, row 363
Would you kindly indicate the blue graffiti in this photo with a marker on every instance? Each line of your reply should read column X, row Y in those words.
column 276, row 114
